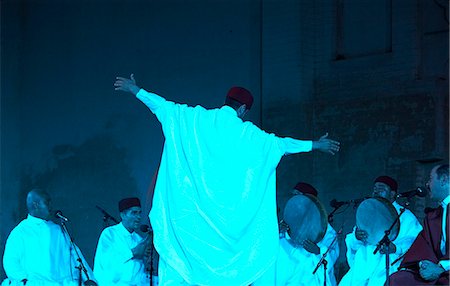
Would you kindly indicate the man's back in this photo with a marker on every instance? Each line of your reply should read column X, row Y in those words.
column 214, row 211
column 217, row 184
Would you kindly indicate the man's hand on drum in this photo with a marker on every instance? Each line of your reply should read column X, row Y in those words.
column 361, row 235
column 310, row 246
column 429, row 270
column 391, row 249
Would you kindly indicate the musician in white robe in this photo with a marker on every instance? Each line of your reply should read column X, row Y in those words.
column 38, row 252
column 367, row 268
column 296, row 263
column 120, row 258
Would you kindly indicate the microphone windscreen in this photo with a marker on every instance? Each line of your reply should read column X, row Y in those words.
column 335, row 204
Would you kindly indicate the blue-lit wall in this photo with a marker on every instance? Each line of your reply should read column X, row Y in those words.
column 374, row 74
column 63, row 126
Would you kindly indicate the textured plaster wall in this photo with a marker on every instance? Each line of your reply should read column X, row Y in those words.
column 374, row 74
column 63, row 127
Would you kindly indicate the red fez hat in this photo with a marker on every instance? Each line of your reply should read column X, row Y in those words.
column 306, row 189
column 127, row 203
column 241, row 95
column 388, row 181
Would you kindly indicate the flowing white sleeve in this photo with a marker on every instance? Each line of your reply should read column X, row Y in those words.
column 291, row 146
column 12, row 258
column 445, row 264
column 151, row 100
column 352, row 246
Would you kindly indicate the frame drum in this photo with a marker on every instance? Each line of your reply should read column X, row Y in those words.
column 375, row 216
column 306, row 218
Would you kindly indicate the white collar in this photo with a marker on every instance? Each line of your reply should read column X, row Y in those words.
column 228, row 109
column 35, row 220
column 445, row 201
column 124, row 230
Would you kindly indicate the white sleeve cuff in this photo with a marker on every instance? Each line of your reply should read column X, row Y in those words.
column 151, row 100
column 292, row 146
column 445, row 264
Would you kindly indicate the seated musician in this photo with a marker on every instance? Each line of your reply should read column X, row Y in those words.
column 295, row 263
column 366, row 268
column 427, row 261
column 121, row 252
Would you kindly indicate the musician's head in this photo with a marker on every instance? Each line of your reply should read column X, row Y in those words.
column 130, row 213
column 240, row 99
column 438, row 182
column 39, row 204
column 385, row 187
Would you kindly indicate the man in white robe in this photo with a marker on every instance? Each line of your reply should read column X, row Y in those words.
column 295, row 264
column 120, row 258
column 367, row 268
column 214, row 210
column 38, row 252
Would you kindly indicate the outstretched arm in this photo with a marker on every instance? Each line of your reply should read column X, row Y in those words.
column 152, row 100
column 126, row 84
column 290, row 146
column 326, row 145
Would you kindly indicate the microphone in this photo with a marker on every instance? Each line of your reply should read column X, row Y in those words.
column 146, row 229
column 337, row 204
column 419, row 191
column 58, row 214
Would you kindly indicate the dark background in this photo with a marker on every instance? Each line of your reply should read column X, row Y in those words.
column 374, row 74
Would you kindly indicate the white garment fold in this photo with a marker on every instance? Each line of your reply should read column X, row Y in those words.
column 214, row 209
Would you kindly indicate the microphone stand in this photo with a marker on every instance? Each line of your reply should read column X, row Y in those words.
column 385, row 242
column 355, row 203
column 149, row 260
column 330, row 216
column 324, row 261
column 81, row 268
column 106, row 217
column 151, row 263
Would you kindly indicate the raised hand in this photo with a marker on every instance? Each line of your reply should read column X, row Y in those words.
column 391, row 249
column 361, row 235
column 429, row 270
column 126, row 84
column 140, row 250
column 326, row 145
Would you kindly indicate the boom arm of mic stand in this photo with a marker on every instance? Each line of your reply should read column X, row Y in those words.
column 330, row 216
column 106, row 215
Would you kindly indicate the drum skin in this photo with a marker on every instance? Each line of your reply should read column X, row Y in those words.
column 306, row 218
column 375, row 216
